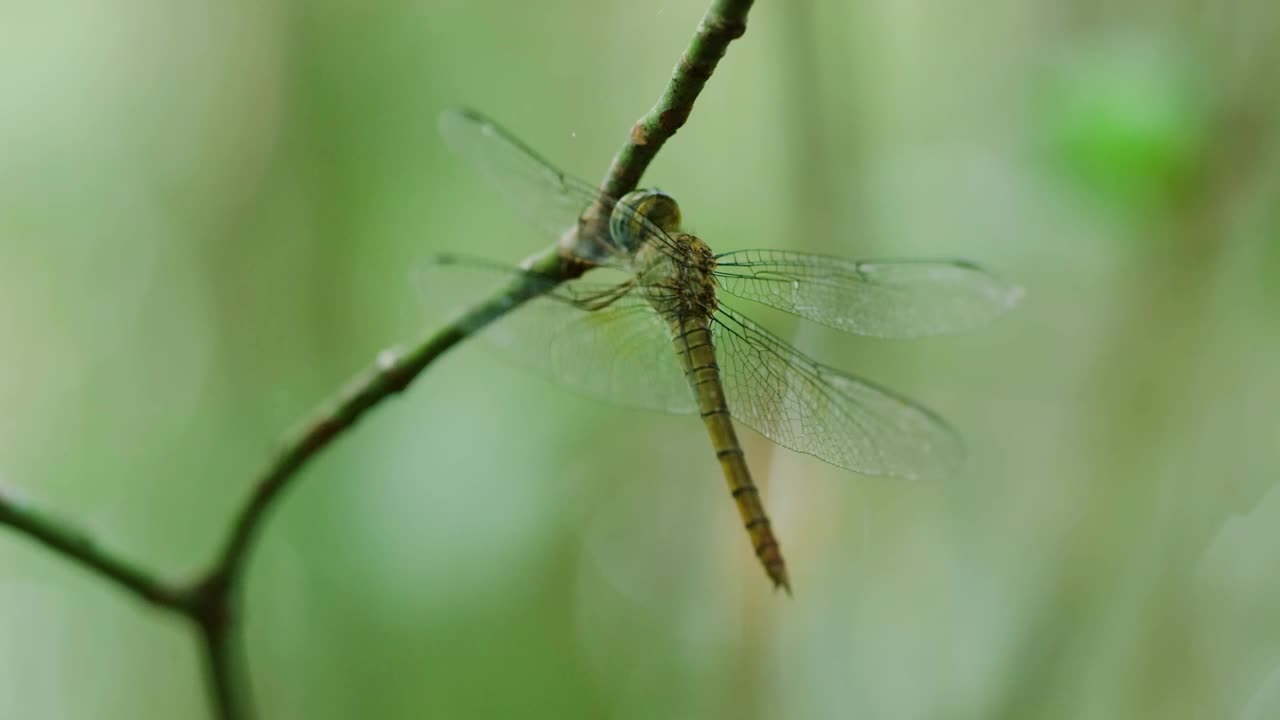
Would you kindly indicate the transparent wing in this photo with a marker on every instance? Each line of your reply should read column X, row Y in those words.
column 537, row 189
column 891, row 299
column 621, row 353
column 543, row 194
column 803, row 405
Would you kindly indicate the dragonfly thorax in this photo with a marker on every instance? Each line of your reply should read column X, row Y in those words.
column 678, row 276
column 674, row 268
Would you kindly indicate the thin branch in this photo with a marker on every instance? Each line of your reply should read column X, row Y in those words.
column 214, row 610
column 391, row 374
column 81, row 548
column 212, row 602
column 221, row 669
column 724, row 22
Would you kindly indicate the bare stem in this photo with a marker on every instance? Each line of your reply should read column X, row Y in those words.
column 390, row 374
column 229, row 699
column 212, row 602
column 724, row 22
column 214, row 606
column 79, row 547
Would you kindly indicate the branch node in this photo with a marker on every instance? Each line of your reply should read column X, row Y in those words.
column 729, row 29
column 639, row 133
column 209, row 602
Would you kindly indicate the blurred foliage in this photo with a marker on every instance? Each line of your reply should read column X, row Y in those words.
column 209, row 216
column 1126, row 123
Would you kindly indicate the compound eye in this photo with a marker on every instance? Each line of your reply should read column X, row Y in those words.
column 655, row 206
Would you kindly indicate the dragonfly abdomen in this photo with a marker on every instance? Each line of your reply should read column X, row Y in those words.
column 697, row 357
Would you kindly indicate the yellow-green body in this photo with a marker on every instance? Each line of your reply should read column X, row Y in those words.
column 608, row 339
column 678, row 280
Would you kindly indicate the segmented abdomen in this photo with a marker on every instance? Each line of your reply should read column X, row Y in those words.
column 697, row 356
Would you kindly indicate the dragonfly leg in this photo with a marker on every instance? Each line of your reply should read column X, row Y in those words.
column 605, row 298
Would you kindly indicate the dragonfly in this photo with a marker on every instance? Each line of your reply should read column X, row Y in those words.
column 659, row 334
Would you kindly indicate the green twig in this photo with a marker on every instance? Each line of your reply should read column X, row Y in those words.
column 391, row 374
column 229, row 698
column 212, row 602
column 724, row 22
column 214, row 608
column 79, row 547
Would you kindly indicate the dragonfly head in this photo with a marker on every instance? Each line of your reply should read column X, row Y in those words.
column 655, row 206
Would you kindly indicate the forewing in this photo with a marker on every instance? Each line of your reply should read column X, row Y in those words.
column 809, row 407
column 621, row 353
column 540, row 192
column 543, row 194
column 891, row 299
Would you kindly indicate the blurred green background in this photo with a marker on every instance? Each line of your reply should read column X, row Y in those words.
column 209, row 217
